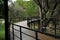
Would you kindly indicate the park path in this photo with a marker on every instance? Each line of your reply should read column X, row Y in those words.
column 24, row 37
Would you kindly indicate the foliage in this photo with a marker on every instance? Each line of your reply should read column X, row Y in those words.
column 49, row 8
column 2, row 32
column 23, row 9
column 1, row 8
column 31, row 9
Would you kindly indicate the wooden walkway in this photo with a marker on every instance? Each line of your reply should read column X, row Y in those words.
column 24, row 23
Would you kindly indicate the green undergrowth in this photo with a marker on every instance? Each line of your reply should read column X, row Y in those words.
column 2, row 31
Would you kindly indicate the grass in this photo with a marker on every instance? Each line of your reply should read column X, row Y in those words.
column 2, row 31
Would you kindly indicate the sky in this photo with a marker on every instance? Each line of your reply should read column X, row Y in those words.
column 13, row 0
column 23, row 0
column 9, row 3
column 26, row 0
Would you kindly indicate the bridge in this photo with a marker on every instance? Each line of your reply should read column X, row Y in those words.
column 21, row 31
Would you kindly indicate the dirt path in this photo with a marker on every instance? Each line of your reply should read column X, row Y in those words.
column 24, row 37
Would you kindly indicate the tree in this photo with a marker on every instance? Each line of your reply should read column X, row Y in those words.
column 1, row 8
column 31, row 8
column 14, row 10
column 48, row 9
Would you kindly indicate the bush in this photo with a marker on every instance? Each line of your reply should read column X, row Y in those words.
column 2, row 31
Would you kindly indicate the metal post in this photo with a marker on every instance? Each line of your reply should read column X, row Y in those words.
column 9, row 31
column 36, row 35
column 28, row 23
column 38, row 24
column 55, row 27
column 13, row 31
column 34, row 26
column 20, row 33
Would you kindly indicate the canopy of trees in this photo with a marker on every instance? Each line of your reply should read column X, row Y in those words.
column 23, row 9
column 49, row 9
column 49, row 6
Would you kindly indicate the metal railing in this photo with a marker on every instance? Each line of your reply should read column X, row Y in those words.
column 44, row 27
column 36, row 31
column 36, row 35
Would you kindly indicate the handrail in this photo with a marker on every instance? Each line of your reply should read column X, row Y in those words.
column 37, row 31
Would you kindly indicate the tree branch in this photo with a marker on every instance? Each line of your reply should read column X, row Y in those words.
column 56, row 3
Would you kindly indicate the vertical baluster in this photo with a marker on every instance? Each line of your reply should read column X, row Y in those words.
column 31, row 22
column 13, row 31
column 55, row 27
column 28, row 23
column 9, row 35
column 34, row 26
column 38, row 24
column 36, row 33
column 20, row 33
